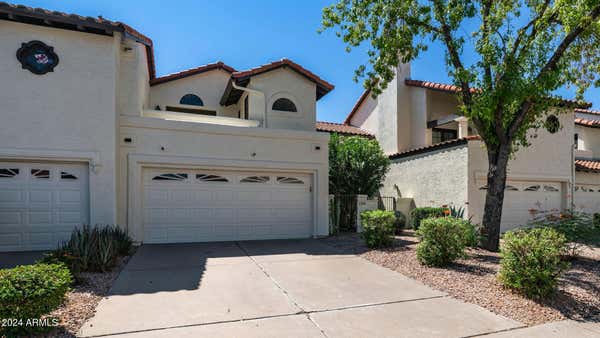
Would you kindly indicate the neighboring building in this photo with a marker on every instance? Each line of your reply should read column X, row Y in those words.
column 91, row 135
column 438, row 159
column 587, row 163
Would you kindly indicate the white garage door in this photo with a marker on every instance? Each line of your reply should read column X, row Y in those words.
column 587, row 198
column 182, row 205
column 523, row 201
column 40, row 204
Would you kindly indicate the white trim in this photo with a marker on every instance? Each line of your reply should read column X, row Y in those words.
column 92, row 157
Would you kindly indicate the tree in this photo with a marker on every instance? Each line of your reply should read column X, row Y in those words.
column 357, row 165
column 524, row 50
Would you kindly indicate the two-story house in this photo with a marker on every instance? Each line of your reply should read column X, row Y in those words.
column 438, row 159
column 91, row 135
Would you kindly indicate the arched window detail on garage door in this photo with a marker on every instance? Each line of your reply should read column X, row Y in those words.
column 40, row 173
column 8, row 172
column 211, row 178
column 67, row 176
column 191, row 100
column 533, row 188
column 170, row 177
column 255, row 179
column 289, row 180
column 511, row 188
column 550, row 188
column 484, row 187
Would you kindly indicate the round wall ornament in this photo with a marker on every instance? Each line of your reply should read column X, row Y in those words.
column 37, row 57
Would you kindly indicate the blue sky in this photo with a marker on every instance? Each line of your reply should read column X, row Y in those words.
column 245, row 34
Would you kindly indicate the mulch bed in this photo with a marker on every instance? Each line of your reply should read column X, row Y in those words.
column 474, row 280
column 81, row 301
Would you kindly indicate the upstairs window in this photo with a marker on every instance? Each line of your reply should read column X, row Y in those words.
column 439, row 135
column 191, row 100
column 284, row 104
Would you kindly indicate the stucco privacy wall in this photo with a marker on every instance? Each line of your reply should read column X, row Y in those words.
column 193, row 145
column 284, row 82
column 548, row 159
column 133, row 87
column 209, row 86
column 66, row 115
column 589, row 142
column 432, row 179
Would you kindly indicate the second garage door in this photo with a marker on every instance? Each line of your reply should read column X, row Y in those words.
column 182, row 205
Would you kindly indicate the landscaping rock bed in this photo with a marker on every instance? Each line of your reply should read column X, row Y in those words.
column 80, row 304
column 474, row 280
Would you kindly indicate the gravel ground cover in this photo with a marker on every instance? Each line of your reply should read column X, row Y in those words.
column 81, row 301
column 474, row 280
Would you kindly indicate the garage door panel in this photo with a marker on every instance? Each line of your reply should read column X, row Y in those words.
column 40, row 206
column 201, row 210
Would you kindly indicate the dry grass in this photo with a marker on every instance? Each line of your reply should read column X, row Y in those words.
column 474, row 280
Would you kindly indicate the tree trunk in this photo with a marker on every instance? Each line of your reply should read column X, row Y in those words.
column 494, row 198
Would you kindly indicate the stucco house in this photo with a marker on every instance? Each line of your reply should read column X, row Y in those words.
column 91, row 135
column 438, row 159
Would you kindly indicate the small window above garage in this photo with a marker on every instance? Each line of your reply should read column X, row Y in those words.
column 170, row 177
column 255, row 179
column 284, row 104
column 8, row 172
column 191, row 100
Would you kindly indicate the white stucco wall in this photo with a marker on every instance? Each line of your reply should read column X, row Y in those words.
column 68, row 114
column 589, row 142
column 133, row 87
column 284, row 82
column 209, row 86
column 199, row 145
column 431, row 179
column 388, row 116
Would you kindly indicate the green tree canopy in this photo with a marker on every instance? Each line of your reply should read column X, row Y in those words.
column 523, row 51
column 357, row 165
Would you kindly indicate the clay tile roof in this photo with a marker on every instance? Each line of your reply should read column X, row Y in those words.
column 323, row 87
column 339, row 128
column 99, row 25
column 453, row 89
column 437, row 146
column 587, row 122
column 193, row 71
column 587, row 111
column 435, row 86
column 588, row 165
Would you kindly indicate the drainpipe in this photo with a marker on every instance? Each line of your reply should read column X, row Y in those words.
column 253, row 91
column 573, row 176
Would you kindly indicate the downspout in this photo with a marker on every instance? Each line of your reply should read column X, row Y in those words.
column 573, row 176
column 254, row 91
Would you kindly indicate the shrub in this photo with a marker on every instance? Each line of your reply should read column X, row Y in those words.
column 597, row 220
column 577, row 227
column 471, row 234
column 457, row 212
column 532, row 261
column 378, row 227
column 400, row 222
column 92, row 249
column 442, row 240
column 419, row 214
column 30, row 292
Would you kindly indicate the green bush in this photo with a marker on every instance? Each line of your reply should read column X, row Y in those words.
column 577, row 227
column 532, row 261
column 442, row 240
column 400, row 222
column 419, row 214
column 597, row 220
column 30, row 292
column 92, row 248
column 378, row 227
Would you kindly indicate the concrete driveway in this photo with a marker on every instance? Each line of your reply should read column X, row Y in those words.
column 295, row 288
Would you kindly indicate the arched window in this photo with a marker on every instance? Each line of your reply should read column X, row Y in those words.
column 284, row 104
column 191, row 99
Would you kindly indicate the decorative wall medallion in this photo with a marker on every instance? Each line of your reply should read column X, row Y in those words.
column 37, row 57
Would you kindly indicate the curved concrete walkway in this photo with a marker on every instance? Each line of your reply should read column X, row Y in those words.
column 295, row 288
